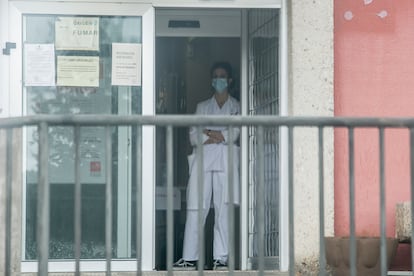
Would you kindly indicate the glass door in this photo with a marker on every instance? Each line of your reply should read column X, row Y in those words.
column 73, row 59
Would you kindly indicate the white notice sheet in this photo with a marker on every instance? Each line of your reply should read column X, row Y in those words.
column 39, row 65
column 126, row 64
column 78, row 71
column 77, row 33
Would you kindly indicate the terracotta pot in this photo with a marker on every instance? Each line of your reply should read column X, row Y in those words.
column 368, row 255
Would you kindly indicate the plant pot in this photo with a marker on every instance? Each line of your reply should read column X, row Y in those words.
column 368, row 255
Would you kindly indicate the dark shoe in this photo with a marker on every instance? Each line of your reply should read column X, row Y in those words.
column 182, row 264
column 220, row 265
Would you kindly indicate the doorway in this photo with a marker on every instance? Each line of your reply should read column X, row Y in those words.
column 188, row 42
column 183, row 80
column 194, row 48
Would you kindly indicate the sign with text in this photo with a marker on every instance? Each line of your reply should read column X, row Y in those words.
column 77, row 33
column 126, row 64
column 78, row 71
column 39, row 65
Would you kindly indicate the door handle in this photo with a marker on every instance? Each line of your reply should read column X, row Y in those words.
column 9, row 45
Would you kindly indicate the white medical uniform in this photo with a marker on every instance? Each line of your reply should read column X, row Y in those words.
column 215, row 182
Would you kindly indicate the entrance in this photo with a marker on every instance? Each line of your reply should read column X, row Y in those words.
column 185, row 50
column 183, row 80
column 188, row 42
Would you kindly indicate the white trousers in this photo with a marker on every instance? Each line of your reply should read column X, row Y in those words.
column 214, row 185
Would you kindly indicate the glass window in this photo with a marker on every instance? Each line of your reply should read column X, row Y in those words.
column 82, row 65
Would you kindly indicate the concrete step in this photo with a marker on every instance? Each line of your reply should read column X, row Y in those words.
column 399, row 273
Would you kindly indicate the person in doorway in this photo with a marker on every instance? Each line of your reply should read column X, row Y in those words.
column 215, row 163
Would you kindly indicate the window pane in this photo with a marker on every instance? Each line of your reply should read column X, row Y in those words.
column 78, row 80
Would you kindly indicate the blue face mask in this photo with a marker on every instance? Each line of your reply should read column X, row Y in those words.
column 219, row 84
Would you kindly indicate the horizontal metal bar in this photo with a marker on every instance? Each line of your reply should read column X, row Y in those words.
column 202, row 120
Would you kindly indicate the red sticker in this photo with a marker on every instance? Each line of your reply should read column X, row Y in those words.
column 95, row 166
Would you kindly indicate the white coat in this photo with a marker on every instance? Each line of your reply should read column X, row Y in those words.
column 215, row 155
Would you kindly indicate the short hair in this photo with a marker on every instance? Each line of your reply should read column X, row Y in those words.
column 222, row 65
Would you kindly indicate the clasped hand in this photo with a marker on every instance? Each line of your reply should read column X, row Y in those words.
column 214, row 136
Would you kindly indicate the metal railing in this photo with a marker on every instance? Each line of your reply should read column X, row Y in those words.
column 287, row 124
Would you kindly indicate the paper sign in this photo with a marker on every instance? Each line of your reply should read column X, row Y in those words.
column 77, row 33
column 39, row 65
column 78, row 71
column 126, row 64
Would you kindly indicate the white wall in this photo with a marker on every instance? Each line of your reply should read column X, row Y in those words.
column 311, row 94
column 3, row 59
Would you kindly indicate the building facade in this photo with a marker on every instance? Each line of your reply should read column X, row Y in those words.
column 70, row 58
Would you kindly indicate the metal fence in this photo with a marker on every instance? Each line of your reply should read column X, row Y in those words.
column 286, row 125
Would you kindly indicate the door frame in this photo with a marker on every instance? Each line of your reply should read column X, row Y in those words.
column 283, row 62
column 4, row 60
column 13, row 82
column 284, row 111
column 146, row 11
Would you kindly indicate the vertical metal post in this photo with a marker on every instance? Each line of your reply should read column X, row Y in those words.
column 78, row 202
column 352, row 247
column 260, row 197
column 200, row 180
column 170, row 203
column 412, row 192
column 291, row 205
column 108, row 200
column 9, row 172
column 322, row 253
column 43, row 201
column 383, row 218
column 139, row 199
column 230, row 167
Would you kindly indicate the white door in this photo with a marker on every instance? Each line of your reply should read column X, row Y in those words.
column 70, row 58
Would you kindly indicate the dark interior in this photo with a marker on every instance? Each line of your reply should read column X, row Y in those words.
column 182, row 80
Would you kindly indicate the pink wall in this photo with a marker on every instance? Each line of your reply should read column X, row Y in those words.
column 374, row 76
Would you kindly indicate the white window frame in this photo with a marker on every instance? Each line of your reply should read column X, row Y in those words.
column 16, row 12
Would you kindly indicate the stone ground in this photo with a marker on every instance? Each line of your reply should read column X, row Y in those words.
column 310, row 268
